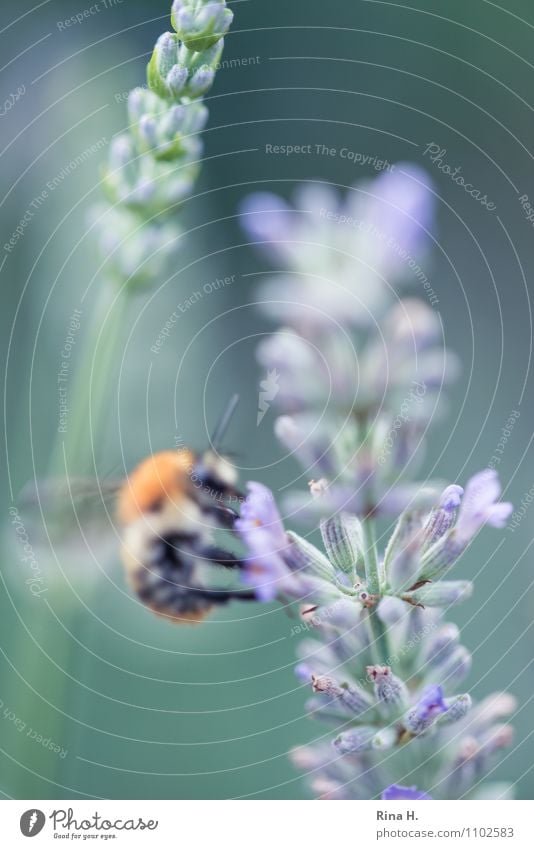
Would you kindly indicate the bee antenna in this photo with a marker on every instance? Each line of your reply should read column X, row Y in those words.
column 224, row 421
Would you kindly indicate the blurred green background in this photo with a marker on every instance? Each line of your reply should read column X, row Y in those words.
column 144, row 710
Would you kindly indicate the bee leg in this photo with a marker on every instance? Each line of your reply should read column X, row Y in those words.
column 219, row 556
column 223, row 596
column 225, row 516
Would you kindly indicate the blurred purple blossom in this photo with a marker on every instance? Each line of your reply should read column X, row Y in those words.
column 342, row 258
column 396, row 792
column 261, row 529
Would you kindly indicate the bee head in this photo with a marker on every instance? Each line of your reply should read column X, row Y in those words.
column 216, row 475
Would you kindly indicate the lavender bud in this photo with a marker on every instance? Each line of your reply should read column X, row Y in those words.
column 176, row 80
column 440, row 645
column 148, row 131
column 305, row 556
column 496, row 738
column 390, row 691
column 121, row 152
column 460, row 769
column 411, row 323
column 310, row 758
column 162, row 62
column 440, row 556
column 327, row 710
column 303, row 672
column 453, row 670
column 443, row 517
column 385, row 739
column 165, row 50
column 405, row 565
column 351, row 696
column 457, row 708
column 342, row 539
column 421, row 717
column 327, row 788
column 200, row 26
column 196, row 116
column 441, row 594
column 141, row 102
column 406, row 527
column 392, row 611
column 355, row 740
column 201, row 81
column 174, row 120
column 490, row 710
column 288, row 432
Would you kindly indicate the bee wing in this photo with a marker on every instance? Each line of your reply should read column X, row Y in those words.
column 63, row 506
column 58, row 491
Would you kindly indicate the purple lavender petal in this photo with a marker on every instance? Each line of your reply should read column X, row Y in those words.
column 480, row 506
column 396, row 791
column 266, row 217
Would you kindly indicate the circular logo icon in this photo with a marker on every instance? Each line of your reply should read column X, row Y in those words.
column 32, row 822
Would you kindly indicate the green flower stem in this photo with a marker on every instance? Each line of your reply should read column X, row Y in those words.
column 44, row 681
column 377, row 629
column 91, row 392
column 379, row 638
column 372, row 575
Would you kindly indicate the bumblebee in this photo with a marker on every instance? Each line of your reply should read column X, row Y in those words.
column 168, row 509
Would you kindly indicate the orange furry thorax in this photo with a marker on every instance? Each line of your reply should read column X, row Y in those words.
column 163, row 476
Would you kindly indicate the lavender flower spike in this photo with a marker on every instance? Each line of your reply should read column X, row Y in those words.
column 396, row 792
column 360, row 374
